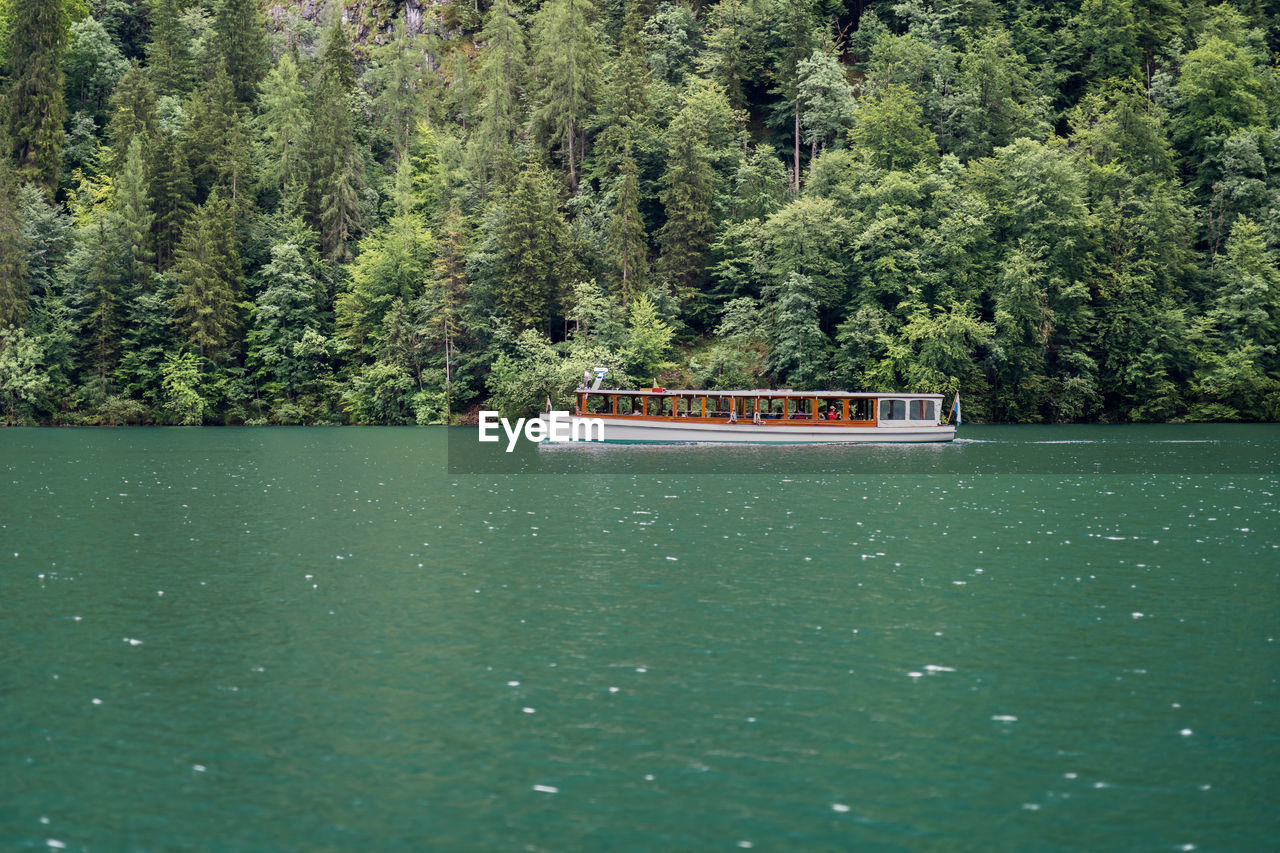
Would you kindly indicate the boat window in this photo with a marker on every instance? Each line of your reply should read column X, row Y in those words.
column 597, row 404
column 799, row 408
column 893, row 410
column 862, row 409
column 773, row 408
column 825, row 408
column 922, row 410
column 718, row 407
column 624, row 405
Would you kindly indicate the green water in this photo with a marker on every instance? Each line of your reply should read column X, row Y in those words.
column 318, row 639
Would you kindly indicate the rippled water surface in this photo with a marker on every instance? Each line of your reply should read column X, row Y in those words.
column 270, row 639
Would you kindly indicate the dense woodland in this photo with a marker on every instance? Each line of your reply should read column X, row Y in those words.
column 215, row 211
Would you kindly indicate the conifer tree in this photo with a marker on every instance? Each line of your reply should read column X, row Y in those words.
column 133, row 113
column 393, row 264
column 529, row 249
column 501, row 81
column 795, row 36
column 168, row 56
column 687, row 196
column 133, row 215
column 283, row 313
column 218, row 143
column 449, row 289
column 207, row 276
column 285, row 125
column 398, row 77
column 172, row 197
column 94, row 273
column 338, row 167
column 13, row 250
column 37, row 110
column 240, row 37
column 567, row 56
column 626, row 231
column 625, row 109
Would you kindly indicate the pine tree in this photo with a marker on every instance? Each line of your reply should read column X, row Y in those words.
column 133, row 216
column 393, row 264
column 95, row 276
column 502, row 77
column 687, row 196
column 283, row 313
column 449, row 290
column 208, row 276
column 338, row 167
column 795, row 36
column 13, row 250
column 168, row 57
column 172, row 197
column 218, row 144
column 567, row 57
column 240, row 37
column 398, row 78
column 529, row 250
column 133, row 113
column 626, row 231
column 625, row 108
column 285, row 125
column 36, row 107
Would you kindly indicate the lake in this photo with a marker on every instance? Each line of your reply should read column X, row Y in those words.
column 1050, row 638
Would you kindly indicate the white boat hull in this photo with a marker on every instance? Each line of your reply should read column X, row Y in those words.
column 620, row 429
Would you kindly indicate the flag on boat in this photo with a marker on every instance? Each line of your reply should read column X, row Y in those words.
column 955, row 409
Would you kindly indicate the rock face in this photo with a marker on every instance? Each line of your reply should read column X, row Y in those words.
column 368, row 21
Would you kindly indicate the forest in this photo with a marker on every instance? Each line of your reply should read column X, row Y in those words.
column 377, row 212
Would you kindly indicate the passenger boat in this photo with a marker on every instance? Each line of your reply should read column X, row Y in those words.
column 763, row 416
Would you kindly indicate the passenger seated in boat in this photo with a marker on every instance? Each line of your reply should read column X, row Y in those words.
column 831, row 413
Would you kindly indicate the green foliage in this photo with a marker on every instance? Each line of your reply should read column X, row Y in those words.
column 1067, row 211
column 36, row 108
column 184, row 399
column 13, row 255
column 502, row 76
column 826, row 99
column 240, row 38
column 92, row 65
column 22, row 377
column 797, row 346
column 887, row 131
column 568, row 58
column 647, row 340
column 284, row 125
column 529, row 265
column 208, row 280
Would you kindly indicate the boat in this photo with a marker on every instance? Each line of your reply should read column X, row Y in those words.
column 772, row 416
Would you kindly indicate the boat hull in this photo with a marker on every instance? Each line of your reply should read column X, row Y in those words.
column 624, row 430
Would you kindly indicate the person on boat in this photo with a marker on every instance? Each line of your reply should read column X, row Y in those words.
column 831, row 413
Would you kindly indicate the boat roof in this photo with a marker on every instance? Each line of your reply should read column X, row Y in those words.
column 770, row 392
